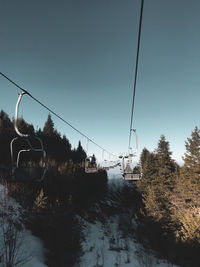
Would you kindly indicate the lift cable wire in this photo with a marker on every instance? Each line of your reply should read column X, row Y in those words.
column 55, row 114
column 136, row 71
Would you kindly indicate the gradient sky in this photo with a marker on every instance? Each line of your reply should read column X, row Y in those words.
column 78, row 57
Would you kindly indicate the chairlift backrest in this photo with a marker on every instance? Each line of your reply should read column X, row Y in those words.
column 127, row 170
column 19, row 172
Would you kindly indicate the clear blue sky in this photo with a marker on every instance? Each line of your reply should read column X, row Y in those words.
column 78, row 58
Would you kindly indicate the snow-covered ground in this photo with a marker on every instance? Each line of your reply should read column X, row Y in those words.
column 29, row 251
column 106, row 245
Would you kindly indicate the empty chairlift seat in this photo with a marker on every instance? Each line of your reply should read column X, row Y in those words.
column 22, row 148
column 129, row 174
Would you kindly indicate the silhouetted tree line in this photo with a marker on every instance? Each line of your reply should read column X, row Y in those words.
column 57, row 147
column 53, row 205
column 170, row 206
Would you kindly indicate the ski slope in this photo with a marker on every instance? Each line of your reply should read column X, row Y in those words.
column 105, row 245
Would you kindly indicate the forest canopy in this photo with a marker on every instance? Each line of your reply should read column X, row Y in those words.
column 57, row 147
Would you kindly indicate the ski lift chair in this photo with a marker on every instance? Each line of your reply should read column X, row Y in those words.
column 90, row 166
column 128, row 172
column 131, row 176
column 21, row 172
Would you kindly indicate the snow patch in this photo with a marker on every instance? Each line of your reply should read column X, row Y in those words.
column 105, row 245
column 29, row 249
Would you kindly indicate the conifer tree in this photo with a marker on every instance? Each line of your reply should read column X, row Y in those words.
column 50, row 138
column 49, row 127
column 157, row 181
column 188, row 186
column 149, row 170
column 148, row 160
column 6, row 135
column 165, row 164
column 79, row 155
column 66, row 148
column 192, row 156
column 185, row 199
column 144, row 157
column 6, row 125
column 81, row 152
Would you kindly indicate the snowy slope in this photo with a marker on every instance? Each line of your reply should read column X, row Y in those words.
column 106, row 245
column 29, row 250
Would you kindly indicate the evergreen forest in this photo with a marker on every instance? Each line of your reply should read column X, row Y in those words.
column 165, row 202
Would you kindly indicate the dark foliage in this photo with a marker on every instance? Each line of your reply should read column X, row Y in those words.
column 53, row 205
column 57, row 147
column 170, row 202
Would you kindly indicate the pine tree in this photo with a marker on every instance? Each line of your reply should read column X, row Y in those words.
column 149, row 170
column 192, row 156
column 6, row 135
column 185, row 199
column 188, row 186
column 166, row 166
column 157, row 182
column 158, row 166
column 190, row 173
column 6, row 125
column 148, row 165
column 66, row 148
column 48, row 129
column 144, row 157
column 50, row 139
column 81, row 153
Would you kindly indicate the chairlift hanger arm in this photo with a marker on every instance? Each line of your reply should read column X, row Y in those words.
column 16, row 116
column 136, row 140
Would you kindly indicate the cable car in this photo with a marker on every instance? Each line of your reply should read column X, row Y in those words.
column 26, row 145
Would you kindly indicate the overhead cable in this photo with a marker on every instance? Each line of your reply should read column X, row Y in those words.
column 55, row 114
column 136, row 71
